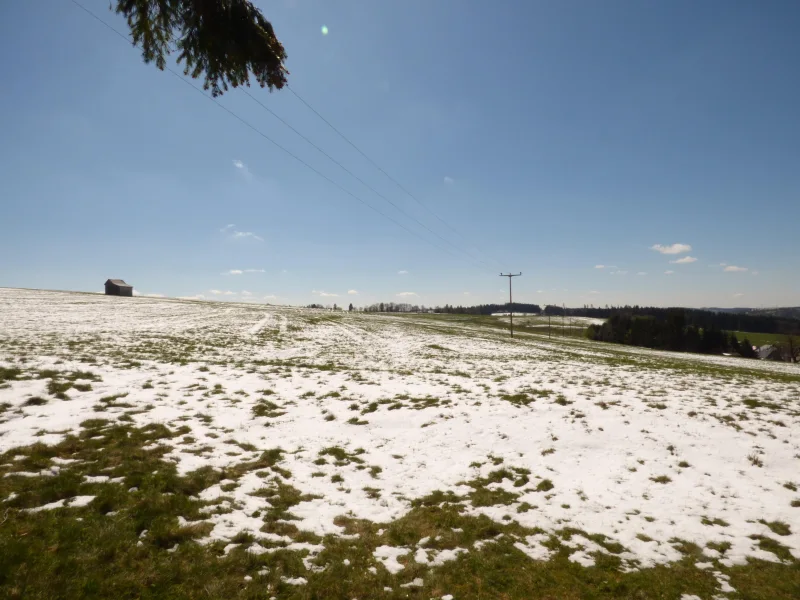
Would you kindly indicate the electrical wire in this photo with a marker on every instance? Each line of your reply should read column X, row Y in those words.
column 377, row 166
column 276, row 144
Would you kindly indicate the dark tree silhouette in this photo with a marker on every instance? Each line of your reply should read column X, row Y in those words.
column 227, row 40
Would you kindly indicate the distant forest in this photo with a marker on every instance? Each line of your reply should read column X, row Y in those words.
column 692, row 317
column 481, row 309
column 670, row 333
column 488, row 309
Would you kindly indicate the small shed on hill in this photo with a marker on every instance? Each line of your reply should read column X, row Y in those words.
column 117, row 287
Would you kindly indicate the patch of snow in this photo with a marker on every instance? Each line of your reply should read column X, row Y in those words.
column 75, row 502
column 95, row 478
column 388, row 555
column 256, row 549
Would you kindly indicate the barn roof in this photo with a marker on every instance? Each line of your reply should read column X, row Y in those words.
column 119, row 282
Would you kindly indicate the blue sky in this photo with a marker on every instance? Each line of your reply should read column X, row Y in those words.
column 553, row 137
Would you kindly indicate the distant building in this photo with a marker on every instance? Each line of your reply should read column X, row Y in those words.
column 117, row 287
column 770, row 352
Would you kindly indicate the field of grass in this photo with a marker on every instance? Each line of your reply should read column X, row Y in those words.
column 154, row 448
column 761, row 339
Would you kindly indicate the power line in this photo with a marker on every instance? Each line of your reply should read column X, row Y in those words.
column 357, row 178
column 265, row 136
column 377, row 166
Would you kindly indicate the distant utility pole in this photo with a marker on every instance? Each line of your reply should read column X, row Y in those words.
column 510, row 301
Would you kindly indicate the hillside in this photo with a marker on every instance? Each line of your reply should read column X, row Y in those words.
column 304, row 453
column 785, row 312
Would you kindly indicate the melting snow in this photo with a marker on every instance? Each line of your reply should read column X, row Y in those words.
column 637, row 445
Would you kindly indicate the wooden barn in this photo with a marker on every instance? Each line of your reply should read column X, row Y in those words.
column 117, row 287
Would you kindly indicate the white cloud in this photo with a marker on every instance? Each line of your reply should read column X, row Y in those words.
column 642, row 273
column 403, row 272
column 669, row 272
column 154, row 295
column 734, row 269
column 448, row 180
column 270, row 297
column 594, row 292
column 195, row 297
column 246, row 294
column 240, row 271
column 467, row 294
column 684, row 261
column 242, row 168
column 247, row 234
column 222, row 293
column 599, row 266
column 738, row 295
column 619, row 273
column 235, row 234
column 324, row 294
column 753, row 272
column 540, row 291
column 671, row 249
column 405, row 294
column 352, row 292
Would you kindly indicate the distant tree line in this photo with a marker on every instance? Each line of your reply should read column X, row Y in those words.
column 669, row 333
column 480, row 309
column 395, row 307
column 700, row 319
column 488, row 309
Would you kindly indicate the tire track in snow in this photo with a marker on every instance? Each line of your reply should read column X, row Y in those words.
column 259, row 326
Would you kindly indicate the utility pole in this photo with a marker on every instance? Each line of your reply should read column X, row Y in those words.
column 510, row 301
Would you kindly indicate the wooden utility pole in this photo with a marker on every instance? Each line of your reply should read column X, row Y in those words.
column 510, row 301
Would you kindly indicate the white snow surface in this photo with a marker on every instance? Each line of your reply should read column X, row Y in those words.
column 604, row 423
column 388, row 555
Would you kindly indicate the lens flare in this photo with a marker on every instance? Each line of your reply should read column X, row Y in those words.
column 324, row 30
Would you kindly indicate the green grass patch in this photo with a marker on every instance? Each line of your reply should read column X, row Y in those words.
column 777, row 527
column 267, row 408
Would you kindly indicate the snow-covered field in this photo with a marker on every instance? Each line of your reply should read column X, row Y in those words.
column 643, row 447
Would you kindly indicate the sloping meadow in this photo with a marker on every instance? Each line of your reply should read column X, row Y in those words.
column 178, row 449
